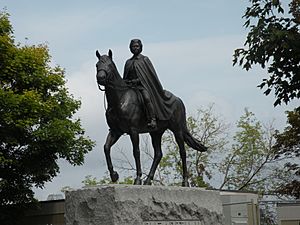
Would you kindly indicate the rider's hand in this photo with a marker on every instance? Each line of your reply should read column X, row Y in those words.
column 135, row 82
column 128, row 82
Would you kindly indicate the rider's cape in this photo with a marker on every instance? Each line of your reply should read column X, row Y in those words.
column 162, row 100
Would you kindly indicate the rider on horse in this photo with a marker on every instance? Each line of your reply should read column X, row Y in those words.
column 140, row 73
column 125, row 111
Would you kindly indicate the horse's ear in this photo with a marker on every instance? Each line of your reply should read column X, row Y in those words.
column 98, row 55
column 110, row 54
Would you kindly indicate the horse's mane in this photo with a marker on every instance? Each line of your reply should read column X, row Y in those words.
column 105, row 59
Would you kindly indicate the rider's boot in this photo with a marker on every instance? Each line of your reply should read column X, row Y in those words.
column 151, row 116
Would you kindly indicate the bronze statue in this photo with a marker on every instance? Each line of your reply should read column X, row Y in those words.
column 138, row 104
column 140, row 73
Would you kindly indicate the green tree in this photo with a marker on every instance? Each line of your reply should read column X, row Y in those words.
column 248, row 162
column 273, row 41
column 251, row 163
column 36, row 125
column 288, row 145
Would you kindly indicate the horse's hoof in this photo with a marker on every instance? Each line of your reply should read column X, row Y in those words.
column 114, row 176
column 137, row 181
column 147, row 182
column 185, row 184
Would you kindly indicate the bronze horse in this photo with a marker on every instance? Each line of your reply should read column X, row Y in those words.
column 126, row 114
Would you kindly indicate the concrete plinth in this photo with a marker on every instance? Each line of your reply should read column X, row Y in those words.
column 143, row 205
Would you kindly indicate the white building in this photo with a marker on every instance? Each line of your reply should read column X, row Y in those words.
column 240, row 208
column 288, row 213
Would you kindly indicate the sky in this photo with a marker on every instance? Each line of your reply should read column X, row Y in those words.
column 190, row 44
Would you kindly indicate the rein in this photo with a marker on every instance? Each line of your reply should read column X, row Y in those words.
column 113, row 86
column 104, row 98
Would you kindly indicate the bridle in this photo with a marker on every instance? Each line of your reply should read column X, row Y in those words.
column 109, row 84
column 99, row 85
column 108, row 81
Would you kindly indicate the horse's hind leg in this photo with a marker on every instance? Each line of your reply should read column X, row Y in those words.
column 134, row 136
column 156, row 143
column 111, row 139
column 180, row 141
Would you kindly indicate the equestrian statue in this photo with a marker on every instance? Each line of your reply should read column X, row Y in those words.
column 137, row 103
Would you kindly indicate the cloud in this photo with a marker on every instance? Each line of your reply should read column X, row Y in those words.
column 82, row 84
column 72, row 32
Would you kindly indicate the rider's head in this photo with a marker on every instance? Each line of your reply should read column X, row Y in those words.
column 136, row 46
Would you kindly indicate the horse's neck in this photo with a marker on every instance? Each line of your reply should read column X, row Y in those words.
column 115, row 91
column 113, row 97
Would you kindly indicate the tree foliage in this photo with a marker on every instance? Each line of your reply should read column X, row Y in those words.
column 245, row 162
column 273, row 41
column 288, row 145
column 36, row 125
column 93, row 181
column 251, row 163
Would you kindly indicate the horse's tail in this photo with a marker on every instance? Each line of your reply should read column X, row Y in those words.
column 187, row 137
column 193, row 142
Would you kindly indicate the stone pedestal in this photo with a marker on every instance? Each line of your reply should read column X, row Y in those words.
column 143, row 205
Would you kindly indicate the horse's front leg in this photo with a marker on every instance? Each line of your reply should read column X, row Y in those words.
column 111, row 139
column 134, row 136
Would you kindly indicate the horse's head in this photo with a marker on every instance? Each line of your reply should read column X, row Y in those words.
column 105, row 68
